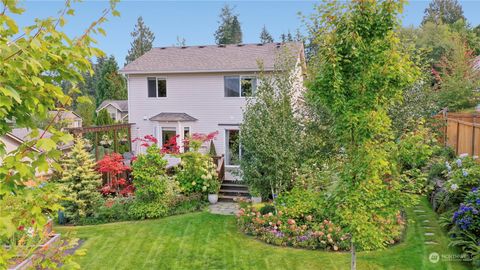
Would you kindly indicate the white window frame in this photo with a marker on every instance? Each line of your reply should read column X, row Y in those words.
column 240, row 77
column 156, row 86
column 227, row 158
column 169, row 128
column 182, row 136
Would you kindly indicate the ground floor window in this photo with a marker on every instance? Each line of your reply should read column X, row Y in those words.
column 233, row 151
column 167, row 134
column 186, row 134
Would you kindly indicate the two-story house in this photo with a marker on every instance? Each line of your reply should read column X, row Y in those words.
column 117, row 109
column 197, row 89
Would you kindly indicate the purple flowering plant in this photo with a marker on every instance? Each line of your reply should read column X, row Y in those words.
column 467, row 217
column 464, row 175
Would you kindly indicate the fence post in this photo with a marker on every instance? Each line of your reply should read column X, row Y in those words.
column 458, row 136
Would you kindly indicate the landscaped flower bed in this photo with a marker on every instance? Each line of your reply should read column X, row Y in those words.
column 278, row 229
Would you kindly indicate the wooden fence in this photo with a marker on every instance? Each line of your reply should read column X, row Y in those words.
column 462, row 132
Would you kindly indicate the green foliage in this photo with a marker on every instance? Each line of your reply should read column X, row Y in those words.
column 270, row 132
column 268, row 208
column 358, row 78
column 150, row 178
column 110, row 84
column 416, row 147
column 34, row 63
column 80, row 183
column 197, row 173
column 147, row 210
column 265, row 36
column 229, row 30
column 457, row 79
column 443, row 11
column 299, row 203
column 110, row 210
column 103, row 118
column 142, row 41
column 86, row 110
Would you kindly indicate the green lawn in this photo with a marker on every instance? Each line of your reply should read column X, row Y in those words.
column 206, row 241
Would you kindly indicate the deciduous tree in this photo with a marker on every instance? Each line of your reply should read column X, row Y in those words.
column 443, row 11
column 361, row 69
column 270, row 132
column 33, row 64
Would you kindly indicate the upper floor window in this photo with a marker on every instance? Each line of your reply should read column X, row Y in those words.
column 240, row 86
column 157, row 87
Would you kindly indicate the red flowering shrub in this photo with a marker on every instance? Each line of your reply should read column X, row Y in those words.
column 113, row 167
column 146, row 141
column 197, row 139
column 171, row 146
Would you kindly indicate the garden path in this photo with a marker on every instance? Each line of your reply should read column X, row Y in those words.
column 224, row 208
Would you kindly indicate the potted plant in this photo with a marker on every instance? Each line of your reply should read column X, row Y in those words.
column 88, row 145
column 256, row 196
column 106, row 141
column 123, row 140
column 213, row 191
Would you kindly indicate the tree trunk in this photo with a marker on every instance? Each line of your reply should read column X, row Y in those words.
column 353, row 265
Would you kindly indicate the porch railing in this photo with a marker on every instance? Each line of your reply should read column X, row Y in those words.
column 220, row 162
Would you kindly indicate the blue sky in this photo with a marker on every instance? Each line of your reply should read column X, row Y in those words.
column 196, row 21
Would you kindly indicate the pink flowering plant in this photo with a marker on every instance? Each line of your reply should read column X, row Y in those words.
column 305, row 232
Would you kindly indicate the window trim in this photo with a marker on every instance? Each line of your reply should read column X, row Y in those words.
column 156, row 86
column 240, row 77
column 167, row 128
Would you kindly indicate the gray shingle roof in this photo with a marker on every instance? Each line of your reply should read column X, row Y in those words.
column 22, row 134
column 122, row 105
column 211, row 58
column 173, row 117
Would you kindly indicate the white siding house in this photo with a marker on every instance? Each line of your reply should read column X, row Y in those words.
column 117, row 109
column 196, row 89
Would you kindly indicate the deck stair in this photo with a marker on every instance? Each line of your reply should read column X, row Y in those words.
column 230, row 190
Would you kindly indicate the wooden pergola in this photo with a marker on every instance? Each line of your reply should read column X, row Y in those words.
column 80, row 131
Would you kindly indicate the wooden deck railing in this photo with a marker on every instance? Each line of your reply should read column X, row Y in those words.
column 220, row 162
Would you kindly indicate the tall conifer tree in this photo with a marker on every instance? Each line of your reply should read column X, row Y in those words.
column 229, row 31
column 142, row 41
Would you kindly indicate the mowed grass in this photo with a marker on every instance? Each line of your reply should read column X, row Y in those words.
column 207, row 241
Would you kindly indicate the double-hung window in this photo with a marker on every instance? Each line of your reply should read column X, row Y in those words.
column 240, row 86
column 157, row 87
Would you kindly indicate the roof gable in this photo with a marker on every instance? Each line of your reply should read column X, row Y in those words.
column 121, row 105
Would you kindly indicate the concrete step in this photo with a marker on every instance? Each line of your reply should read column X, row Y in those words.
column 233, row 182
column 237, row 186
column 222, row 190
column 229, row 198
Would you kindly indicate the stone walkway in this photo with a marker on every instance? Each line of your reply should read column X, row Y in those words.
column 223, row 208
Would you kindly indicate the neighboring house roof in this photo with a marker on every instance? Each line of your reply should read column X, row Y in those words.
column 211, row 58
column 18, row 140
column 65, row 115
column 173, row 117
column 22, row 134
column 121, row 105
